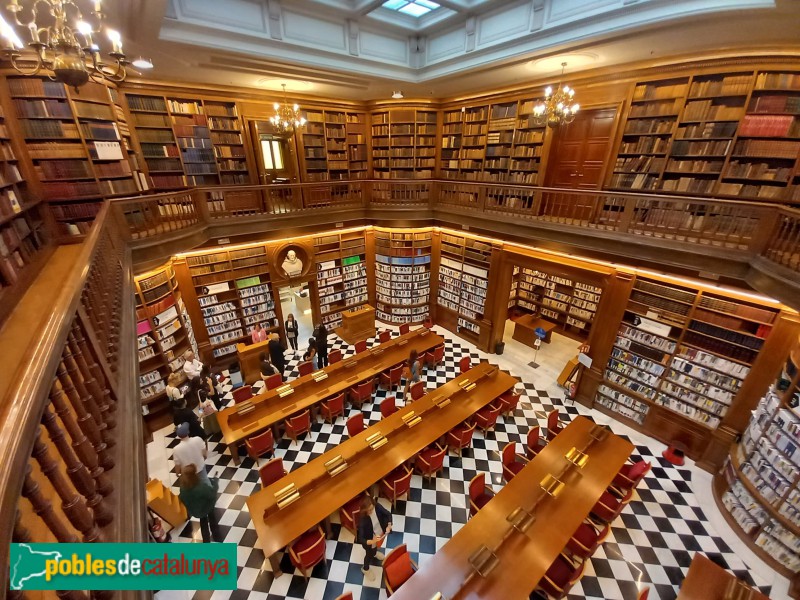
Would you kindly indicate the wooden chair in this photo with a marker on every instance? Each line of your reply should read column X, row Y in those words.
column 643, row 594
column 397, row 568
column 298, row 424
column 586, row 539
column 417, row 390
column 464, row 364
column 345, row 596
column 513, row 463
column 330, row 408
column 334, row 356
column 362, row 392
column 486, row 418
column 432, row 358
column 348, row 514
column 241, row 394
column 405, row 328
column 534, row 443
column 391, row 379
column 384, row 336
column 308, row 550
column 305, row 368
column 430, row 461
column 607, row 508
column 396, row 484
column 388, row 407
column 508, row 402
column 273, row 381
column 271, row 472
column 261, row 444
column 460, row 437
column 553, row 426
column 355, row 424
column 361, row 346
column 479, row 493
column 630, row 475
column 561, row 576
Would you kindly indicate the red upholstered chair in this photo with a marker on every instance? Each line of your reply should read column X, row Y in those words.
column 361, row 346
column 460, row 437
column 306, row 367
column 417, row 390
column 261, row 444
column 607, row 508
column 432, row 358
column 464, row 364
column 334, row 356
column 643, row 594
column 330, row 408
column 586, row 539
column 430, row 461
column 274, row 381
column 553, row 426
column 384, row 336
column 355, row 424
column 345, row 596
column 392, row 378
column 348, row 514
column 362, row 392
column 298, row 424
column 561, row 576
column 479, row 493
column 630, row 475
column 486, row 418
column 405, row 328
column 396, row 484
column 534, row 443
column 308, row 550
column 388, row 407
column 241, row 394
column 508, row 402
column 397, row 568
column 513, row 463
column 271, row 472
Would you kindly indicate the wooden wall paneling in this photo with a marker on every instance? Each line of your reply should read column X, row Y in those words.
column 436, row 261
column 500, row 280
column 369, row 239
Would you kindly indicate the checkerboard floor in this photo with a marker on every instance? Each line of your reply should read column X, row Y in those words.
column 651, row 543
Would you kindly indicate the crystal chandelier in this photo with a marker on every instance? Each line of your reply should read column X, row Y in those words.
column 62, row 42
column 557, row 108
column 286, row 117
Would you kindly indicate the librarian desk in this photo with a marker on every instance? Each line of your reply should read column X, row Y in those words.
column 708, row 581
column 321, row 494
column 523, row 558
column 525, row 330
column 271, row 408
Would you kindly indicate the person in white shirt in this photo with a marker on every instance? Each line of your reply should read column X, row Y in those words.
column 192, row 367
column 374, row 524
column 190, row 451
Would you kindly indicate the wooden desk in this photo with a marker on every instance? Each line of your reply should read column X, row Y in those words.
column 249, row 361
column 524, row 329
column 708, row 581
column 271, row 409
column 357, row 325
column 321, row 494
column 524, row 557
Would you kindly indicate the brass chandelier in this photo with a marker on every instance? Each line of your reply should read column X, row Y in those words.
column 287, row 117
column 558, row 107
column 62, row 42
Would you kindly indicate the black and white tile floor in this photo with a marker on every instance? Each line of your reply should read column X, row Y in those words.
column 651, row 544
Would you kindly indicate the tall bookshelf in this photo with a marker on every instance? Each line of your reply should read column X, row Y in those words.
column 164, row 334
column 334, row 145
column 357, row 145
column 403, row 143
column 681, row 356
column 759, row 484
column 226, row 139
column 341, row 261
column 402, row 275
column 463, row 282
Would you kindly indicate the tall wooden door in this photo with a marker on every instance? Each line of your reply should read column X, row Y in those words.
column 576, row 162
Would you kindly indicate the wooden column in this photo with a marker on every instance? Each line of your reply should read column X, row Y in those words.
column 183, row 278
column 89, row 401
column 43, row 508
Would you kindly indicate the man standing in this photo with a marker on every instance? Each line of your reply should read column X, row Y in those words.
column 321, row 335
column 276, row 351
column 192, row 367
column 374, row 524
column 190, row 451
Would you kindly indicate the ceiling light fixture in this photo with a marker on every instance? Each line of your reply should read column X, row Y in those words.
column 397, row 95
column 66, row 49
column 286, row 118
column 557, row 108
column 142, row 63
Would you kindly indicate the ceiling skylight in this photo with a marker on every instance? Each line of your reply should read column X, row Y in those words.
column 415, row 8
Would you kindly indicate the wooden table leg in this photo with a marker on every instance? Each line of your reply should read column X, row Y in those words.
column 275, row 563
column 234, row 449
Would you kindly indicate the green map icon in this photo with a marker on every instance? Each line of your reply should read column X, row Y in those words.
column 29, row 564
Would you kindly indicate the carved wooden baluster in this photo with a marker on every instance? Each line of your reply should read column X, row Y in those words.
column 85, row 420
column 76, row 470
column 91, row 356
column 90, row 383
column 88, row 400
column 71, row 503
column 43, row 508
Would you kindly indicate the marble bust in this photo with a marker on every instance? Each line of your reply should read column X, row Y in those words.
column 292, row 265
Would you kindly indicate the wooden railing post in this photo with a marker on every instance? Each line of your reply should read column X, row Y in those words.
column 627, row 214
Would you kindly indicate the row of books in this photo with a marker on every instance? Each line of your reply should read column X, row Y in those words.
column 729, row 85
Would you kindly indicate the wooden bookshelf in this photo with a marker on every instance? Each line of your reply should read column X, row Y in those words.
column 226, row 137
column 341, row 266
column 759, row 485
column 402, row 275
column 334, row 145
column 404, row 144
column 357, row 145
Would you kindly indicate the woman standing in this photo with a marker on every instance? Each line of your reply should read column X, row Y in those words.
column 311, row 353
column 321, row 335
column 259, row 334
column 200, row 498
column 374, row 524
column 291, row 331
column 209, row 387
column 173, row 392
column 411, row 372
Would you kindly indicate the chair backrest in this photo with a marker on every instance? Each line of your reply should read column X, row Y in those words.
column 396, row 373
column 477, row 485
column 313, row 553
column 361, row 346
column 464, row 364
column 436, row 461
column 405, row 328
column 355, row 424
column 491, row 414
column 261, row 442
column 417, row 390
column 301, row 422
column 365, row 389
column 397, row 567
column 638, row 471
column 271, row 472
column 243, row 393
column 334, row 356
column 384, row 336
column 552, row 421
column 466, row 434
column 643, row 594
column 509, row 453
column 511, row 399
column 388, row 407
column 345, row 596
column 533, row 437
column 403, row 484
column 438, row 353
column 274, row 381
column 305, row 367
column 336, row 404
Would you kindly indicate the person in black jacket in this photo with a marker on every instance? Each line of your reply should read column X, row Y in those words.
column 374, row 524
column 276, row 351
column 181, row 413
column 321, row 335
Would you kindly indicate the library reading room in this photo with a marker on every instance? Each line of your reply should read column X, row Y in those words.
column 453, row 299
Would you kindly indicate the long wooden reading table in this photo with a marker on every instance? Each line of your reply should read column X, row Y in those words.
column 312, row 493
column 517, row 535
column 706, row 580
column 273, row 406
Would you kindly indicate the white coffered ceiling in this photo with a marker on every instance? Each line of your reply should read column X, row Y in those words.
column 361, row 49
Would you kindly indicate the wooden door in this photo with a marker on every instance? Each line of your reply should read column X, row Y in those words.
column 576, row 162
